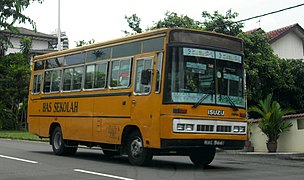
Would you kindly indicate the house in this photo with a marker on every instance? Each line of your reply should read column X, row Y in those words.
column 287, row 42
column 41, row 43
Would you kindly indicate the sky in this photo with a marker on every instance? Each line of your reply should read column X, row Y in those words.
column 104, row 20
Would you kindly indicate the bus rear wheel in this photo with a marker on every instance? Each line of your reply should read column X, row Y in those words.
column 137, row 154
column 58, row 145
column 202, row 157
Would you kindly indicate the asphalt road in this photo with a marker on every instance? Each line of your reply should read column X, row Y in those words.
column 35, row 160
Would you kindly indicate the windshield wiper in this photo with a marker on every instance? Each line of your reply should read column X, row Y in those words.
column 200, row 100
column 232, row 103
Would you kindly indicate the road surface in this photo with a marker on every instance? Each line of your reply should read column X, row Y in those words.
column 35, row 160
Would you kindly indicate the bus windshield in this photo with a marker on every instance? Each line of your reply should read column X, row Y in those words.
column 201, row 76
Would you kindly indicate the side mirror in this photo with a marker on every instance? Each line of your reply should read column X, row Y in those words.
column 145, row 77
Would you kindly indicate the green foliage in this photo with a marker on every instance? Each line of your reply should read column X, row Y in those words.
column 266, row 72
column 84, row 43
column 14, row 84
column 272, row 123
column 26, row 46
column 134, row 24
column 173, row 20
column 222, row 24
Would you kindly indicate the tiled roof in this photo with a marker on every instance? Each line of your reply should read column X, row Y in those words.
column 278, row 33
column 290, row 116
column 28, row 32
column 273, row 35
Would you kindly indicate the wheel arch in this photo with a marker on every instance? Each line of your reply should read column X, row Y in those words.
column 126, row 133
column 52, row 128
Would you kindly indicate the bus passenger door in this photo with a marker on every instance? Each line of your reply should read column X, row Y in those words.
column 141, row 104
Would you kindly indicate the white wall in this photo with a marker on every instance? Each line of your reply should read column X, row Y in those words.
column 290, row 141
column 289, row 46
column 36, row 44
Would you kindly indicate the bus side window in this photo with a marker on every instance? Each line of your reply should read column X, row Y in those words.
column 143, row 66
column 47, row 82
column 37, row 84
column 120, row 73
column 158, row 72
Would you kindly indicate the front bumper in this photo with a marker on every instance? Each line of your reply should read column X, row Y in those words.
column 201, row 143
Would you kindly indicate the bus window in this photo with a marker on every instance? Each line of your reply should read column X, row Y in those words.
column 89, row 76
column 99, row 54
column 158, row 72
column 120, row 73
column 67, row 79
column 47, row 81
column 77, row 78
column 39, row 65
column 100, row 75
column 37, row 83
column 72, row 78
column 142, row 65
column 56, row 79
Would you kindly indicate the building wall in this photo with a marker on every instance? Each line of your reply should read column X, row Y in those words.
column 290, row 141
column 36, row 44
column 289, row 46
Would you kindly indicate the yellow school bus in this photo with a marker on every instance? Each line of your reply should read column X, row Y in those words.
column 163, row 92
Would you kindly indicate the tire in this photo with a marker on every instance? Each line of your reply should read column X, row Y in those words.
column 138, row 155
column 202, row 157
column 58, row 144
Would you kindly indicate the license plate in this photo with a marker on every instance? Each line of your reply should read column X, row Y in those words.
column 214, row 142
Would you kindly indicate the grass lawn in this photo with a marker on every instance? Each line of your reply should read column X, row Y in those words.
column 20, row 135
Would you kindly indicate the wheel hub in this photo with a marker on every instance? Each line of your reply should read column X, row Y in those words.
column 136, row 147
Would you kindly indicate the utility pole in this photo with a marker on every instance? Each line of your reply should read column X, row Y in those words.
column 59, row 31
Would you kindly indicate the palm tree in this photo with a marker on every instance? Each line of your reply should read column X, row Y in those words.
column 272, row 123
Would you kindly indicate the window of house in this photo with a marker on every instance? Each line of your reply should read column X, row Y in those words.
column 300, row 123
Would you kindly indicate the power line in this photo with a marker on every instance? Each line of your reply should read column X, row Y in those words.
column 270, row 13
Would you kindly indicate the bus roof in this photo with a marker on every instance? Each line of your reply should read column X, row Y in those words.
column 152, row 33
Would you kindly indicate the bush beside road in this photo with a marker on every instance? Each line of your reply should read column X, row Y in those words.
column 20, row 135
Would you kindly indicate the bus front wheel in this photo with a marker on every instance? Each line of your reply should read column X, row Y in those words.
column 137, row 154
column 202, row 157
column 58, row 145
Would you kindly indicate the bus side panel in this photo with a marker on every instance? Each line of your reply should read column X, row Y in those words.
column 111, row 114
column 34, row 124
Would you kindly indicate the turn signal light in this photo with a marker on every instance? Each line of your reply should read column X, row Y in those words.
column 179, row 110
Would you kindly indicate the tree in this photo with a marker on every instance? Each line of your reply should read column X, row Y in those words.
column 134, row 24
column 14, row 84
column 26, row 46
column 222, row 24
column 272, row 123
column 83, row 42
column 171, row 20
column 263, row 68
column 11, row 13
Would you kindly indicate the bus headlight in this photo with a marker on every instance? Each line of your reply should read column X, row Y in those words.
column 236, row 129
column 242, row 129
column 180, row 127
column 239, row 129
column 189, row 127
